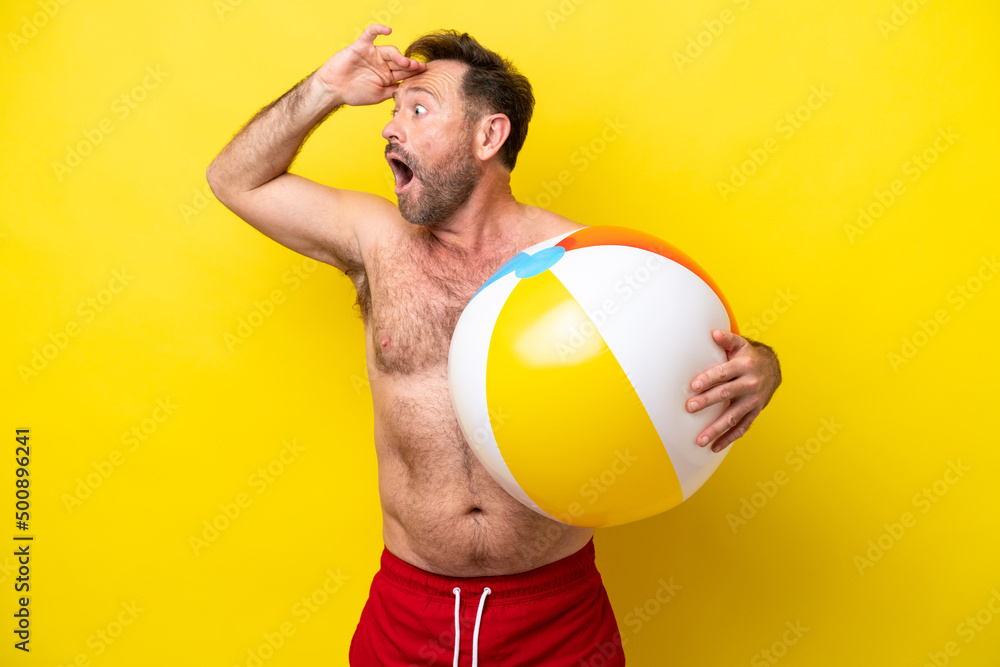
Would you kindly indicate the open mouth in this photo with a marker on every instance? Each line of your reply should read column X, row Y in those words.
column 401, row 171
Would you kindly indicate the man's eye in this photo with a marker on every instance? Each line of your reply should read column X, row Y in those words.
column 419, row 109
column 394, row 111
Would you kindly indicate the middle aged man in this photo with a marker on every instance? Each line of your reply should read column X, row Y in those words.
column 466, row 570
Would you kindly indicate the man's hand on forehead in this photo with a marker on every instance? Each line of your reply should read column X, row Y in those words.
column 362, row 73
column 399, row 65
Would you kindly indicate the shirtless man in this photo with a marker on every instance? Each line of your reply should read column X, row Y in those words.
column 467, row 570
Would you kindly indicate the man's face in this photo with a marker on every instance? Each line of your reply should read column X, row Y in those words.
column 430, row 144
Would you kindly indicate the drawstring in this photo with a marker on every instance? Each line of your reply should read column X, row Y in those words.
column 457, row 593
column 475, row 633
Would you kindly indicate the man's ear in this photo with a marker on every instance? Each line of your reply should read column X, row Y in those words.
column 493, row 132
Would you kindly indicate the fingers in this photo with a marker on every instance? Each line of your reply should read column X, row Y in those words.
column 397, row 61
column 730, row 381
column 729, row 341
column 722, row 373
column 390, row 54
column 390, row 81
column 397, row 66
column 735, row 432
column 373, row 31
column 727, row 391
column 734, row 422
column 402, row 74
column 387, row 92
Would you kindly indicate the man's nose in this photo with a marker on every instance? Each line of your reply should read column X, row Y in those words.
column 392, row 131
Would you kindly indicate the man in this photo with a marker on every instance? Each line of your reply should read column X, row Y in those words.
column 463, row 574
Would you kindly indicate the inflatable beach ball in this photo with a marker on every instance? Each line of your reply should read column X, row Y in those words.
column 570, row 369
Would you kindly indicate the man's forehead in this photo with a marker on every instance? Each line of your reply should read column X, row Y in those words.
column 440, row 78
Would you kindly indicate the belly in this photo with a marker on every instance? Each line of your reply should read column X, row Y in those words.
column 442, row 511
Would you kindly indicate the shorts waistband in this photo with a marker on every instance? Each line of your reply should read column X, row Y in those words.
column 541, row 581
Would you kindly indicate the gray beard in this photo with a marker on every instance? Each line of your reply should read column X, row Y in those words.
column 443, row 191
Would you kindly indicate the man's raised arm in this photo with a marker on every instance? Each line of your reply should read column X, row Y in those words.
column 250, row 175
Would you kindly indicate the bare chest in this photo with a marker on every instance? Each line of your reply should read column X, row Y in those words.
column 415, row 298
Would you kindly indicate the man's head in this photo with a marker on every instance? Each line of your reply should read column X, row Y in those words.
column 491, row 84
column 461, row 120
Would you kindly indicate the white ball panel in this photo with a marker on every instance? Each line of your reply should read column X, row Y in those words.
column 657, row 308
column 467, row 357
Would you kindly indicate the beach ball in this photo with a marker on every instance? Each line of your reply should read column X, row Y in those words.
column 570, row 368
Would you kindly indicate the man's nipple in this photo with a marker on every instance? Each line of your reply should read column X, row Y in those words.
column 384, row 340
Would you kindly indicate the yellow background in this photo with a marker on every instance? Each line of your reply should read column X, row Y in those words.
column 834, row 304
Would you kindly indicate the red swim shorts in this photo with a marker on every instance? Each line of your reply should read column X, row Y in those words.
column 557, row 615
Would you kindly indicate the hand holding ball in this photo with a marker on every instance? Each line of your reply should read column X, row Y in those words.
column 569, row 371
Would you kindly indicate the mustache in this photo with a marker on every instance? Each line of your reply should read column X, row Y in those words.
column 393, row 147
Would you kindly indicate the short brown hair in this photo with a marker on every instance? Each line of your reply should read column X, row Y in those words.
column 491, row 83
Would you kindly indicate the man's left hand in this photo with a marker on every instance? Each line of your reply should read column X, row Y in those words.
column 748, row 379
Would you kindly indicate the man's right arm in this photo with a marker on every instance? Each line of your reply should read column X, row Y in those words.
column 250, row 175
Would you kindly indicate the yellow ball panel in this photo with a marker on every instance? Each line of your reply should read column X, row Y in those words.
column 568, row 423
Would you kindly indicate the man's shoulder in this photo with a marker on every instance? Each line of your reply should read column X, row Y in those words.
column 550, row 222
column 384, row 225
